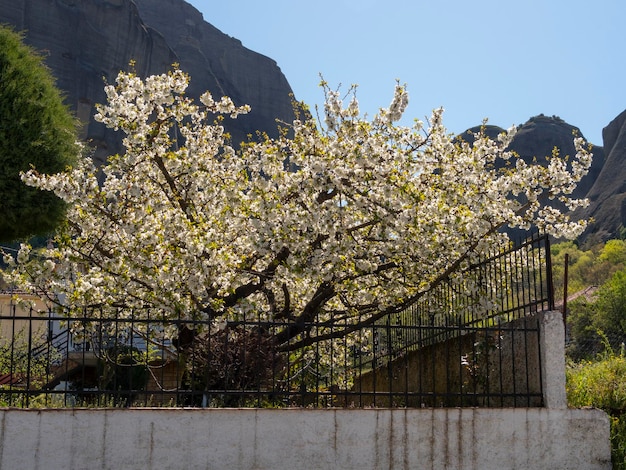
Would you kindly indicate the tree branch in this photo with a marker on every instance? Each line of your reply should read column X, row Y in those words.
column 283, row 338
column 250, row 288
column 323, row 294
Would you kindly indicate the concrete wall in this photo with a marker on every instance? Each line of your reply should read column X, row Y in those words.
column 438, row 438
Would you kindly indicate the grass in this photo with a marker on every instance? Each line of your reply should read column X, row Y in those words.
column 602, row 384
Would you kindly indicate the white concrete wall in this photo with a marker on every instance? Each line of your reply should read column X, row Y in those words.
column 294, row 439
column 552, row 346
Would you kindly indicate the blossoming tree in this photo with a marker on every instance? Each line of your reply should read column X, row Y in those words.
column 341, row 222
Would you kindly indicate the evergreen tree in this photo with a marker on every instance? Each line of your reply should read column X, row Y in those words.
column 36, row 130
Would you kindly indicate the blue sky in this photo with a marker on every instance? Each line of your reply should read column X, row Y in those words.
column 496, row 59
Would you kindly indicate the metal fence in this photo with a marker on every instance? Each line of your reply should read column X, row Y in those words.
column 471, row 341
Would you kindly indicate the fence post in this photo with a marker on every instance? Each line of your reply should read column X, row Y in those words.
column 552, row 346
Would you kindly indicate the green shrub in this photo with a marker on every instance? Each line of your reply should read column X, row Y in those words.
column 602, row 384
column 36, row 129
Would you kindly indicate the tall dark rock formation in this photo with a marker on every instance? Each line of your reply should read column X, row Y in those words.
column 607, row 196
column 538, row 136
column 536, row 139
column 87, row 42
column 222, row 65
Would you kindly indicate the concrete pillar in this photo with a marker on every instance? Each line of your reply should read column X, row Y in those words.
column 552, row 344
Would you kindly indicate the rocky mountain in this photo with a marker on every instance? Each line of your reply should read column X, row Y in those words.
column 607, row 195
column 604, row 185
column 87, row 42
column 537, row 138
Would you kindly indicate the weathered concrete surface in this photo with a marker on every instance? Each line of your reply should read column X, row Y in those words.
column 553, row 359
column 455, row 438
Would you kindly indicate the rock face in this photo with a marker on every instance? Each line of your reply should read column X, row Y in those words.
column 539, row 136
column 607, row 196
column 87, row 42
column 222, row 65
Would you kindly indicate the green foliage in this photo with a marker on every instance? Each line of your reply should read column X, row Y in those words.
column 559, row 252
column 585, row 342
column 611, row 305
column 36, row 130
column 597, row 325
column 15, row 362
column 602, row 384
column 599, row 274
column 123, row 369
column 586, row 267
column 614, row 252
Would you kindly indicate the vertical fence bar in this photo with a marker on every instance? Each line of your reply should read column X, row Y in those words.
column 549, row 279
column 565, row 290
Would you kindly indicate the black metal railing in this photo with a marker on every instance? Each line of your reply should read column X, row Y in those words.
column 471, row 341
column 496, row 290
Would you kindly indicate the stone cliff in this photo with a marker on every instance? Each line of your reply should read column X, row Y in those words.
column 87, row 42
column 538, row 136
column 607, row 196
column 220, row 64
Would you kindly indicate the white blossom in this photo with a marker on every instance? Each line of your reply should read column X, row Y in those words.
column 366, row 216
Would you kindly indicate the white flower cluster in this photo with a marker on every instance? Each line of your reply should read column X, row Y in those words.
column 337, row 225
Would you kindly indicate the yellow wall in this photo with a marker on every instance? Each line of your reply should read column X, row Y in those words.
column 17, row 320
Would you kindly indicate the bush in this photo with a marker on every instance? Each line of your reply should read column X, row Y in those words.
column 36, row 129
column 602, row 384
